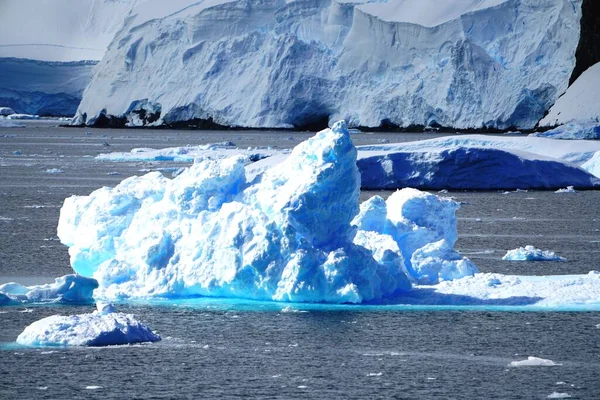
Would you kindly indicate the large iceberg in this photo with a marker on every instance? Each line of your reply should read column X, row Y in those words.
column 71, row 289
column 282, row 63
column 293, row 233
column 101, row 328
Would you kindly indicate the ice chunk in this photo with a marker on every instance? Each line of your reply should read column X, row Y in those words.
column 580, row 131
column 534, row 362
column 530, row 253
column 66, row 289
column 97, row 329
column 568, row 189
column 54, row 171
column 593, row 164
column 557, row 395
column 287, row 235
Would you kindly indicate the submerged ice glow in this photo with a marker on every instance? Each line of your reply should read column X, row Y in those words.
column 293, row 233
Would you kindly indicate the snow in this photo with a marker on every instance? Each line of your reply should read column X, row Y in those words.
column 534, row 362
column 188, row 153
column 580, row 131
column 463, row 63
column 530, row 253
column 101, row 328
column 580, row 103
column 60, row 30
column 72, row 289
column 211, row 232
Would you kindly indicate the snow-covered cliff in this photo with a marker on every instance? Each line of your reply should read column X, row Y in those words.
column 284, row 63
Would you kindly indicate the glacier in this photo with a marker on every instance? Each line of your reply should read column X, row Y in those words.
column 530, row 253
column 68, row 289
column 103, row 327
column 466, row 64
column 580, row 104
column 293, row 233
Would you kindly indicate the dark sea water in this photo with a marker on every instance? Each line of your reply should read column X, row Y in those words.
column 229, row 349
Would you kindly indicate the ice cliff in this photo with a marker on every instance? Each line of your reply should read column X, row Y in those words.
column 293, row 233
column 253, row 63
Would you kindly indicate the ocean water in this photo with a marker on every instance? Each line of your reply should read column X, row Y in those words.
column 216, row 348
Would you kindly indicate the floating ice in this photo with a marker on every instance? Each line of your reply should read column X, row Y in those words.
column 579, row 131
column 188, row 153
column 288, row 235
column 7, row 123
column 557, row 395
column 477, row 162
column 534, row 362
column 101, row 328
column 568, row 189
column 66, row 289
column 54, row 171
column 530, row 253
column 593, row 164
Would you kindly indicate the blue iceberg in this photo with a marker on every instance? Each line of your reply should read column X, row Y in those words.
column 294, row 232
column 70, row 289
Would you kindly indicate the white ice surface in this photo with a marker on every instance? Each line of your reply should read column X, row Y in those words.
column 580, row 103
column 290, row 63
column 101, row 328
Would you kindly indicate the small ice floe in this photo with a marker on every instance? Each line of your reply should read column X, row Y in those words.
column 443, row 191
column 17, row 153
column 103, row 327
column 54, row 171
column 93, row 387
column 375, row 374
column 568, row 189
column 557, row 395
column 534, row 362
column 530, row 253
column 75, row 289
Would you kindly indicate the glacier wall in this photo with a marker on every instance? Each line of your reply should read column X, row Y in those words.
column 43, row 87
column 254, row 63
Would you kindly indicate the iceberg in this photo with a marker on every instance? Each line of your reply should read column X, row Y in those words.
column 478, row 162
column 463, row 64
column 294, row 232
column 534, row 362
column 530, row 253
column 5, row 111
column 101, row 328
column 568, row 189
column 578, row 131
column 71, row 289
column 592, row 165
